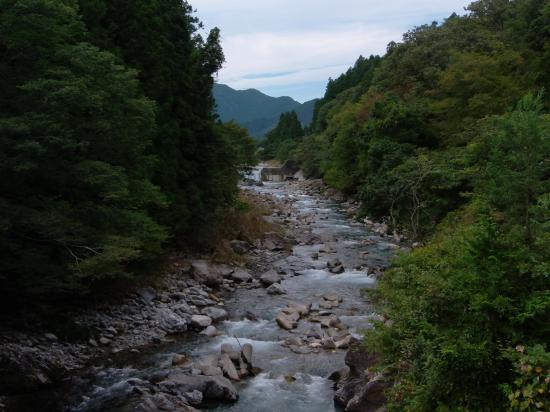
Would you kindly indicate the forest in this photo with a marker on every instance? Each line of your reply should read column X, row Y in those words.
column 447, row 139
column 109, row 150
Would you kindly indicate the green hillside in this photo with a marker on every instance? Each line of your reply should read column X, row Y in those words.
column 256, row 111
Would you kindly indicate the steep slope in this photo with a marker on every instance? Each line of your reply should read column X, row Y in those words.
column 257, row 111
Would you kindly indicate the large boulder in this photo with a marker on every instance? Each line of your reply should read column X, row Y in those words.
column 200, row 321
column 286, row 322
column 369, row 397
column 206, row 273
column 159, row 402
column 241, row 276
column 274, row 242
column 171, row 322
column 217, row 314
column 270, row 277
column 276, row 289
column 213, row 388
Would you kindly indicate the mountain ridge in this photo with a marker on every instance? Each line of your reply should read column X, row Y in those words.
column 256, row 111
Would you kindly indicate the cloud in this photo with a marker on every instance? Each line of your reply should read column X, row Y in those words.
column 290, row 46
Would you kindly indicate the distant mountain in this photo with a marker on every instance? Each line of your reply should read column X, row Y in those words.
column 256, row 111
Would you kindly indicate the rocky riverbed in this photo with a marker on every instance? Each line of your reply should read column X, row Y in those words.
column 263, row 336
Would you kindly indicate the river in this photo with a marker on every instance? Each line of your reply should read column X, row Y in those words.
column 289, row 381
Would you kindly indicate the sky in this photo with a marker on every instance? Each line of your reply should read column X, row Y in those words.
column 291, row 47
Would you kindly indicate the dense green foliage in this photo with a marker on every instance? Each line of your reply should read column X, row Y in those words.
column 480, row 286
column 282, row 141
column 431, row 138
column 108, row 144
column 256, row 111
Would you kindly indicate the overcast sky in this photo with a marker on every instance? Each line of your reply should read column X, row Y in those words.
column 292, row 47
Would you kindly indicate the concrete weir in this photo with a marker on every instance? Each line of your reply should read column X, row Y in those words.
column 288, row 171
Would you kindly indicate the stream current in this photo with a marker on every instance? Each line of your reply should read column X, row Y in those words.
column 289, row 382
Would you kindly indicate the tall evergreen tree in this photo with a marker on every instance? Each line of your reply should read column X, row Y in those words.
column 75, row 191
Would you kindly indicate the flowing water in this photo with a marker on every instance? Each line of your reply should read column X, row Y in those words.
column 288, row 381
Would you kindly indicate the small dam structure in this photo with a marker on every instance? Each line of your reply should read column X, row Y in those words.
column 288, row 171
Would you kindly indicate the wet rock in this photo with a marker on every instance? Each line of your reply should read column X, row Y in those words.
column 343, row 342
column 369, row 397
column 210, row 331
column 276, row 289
column 227, row 348
column 200, row 321
column 247, row 353
column 333, row 297
column 193, row 397
column 302, row 309
column 285, row 322
column 251, row 316
column 163, row 402
column 213, row 388
column 217, row 314
column 270, row 277
column 301, row 350
column 294, row 341
column 178, row 360
column 241, row 276
column 209, row 370
column 328, row 343
column 229, row 368
column 359, row 358
column 338, row 270
column 333, row 263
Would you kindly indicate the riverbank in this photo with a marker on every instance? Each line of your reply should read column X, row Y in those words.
column 216, row 303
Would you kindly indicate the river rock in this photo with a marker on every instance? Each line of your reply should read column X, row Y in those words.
column 183, row 309
column 205, row 272
column 193, row 397
column 302, row 309
column 229, row 368
column 200, row 301
column 163, row 402
column 343, row 342
column 273, row 241
column 169, row 321
column 210, row 331
column 276, row 289
column 285, row 322
column 332, row 297
column 209, row 370
column 241, row 276
column 369, row 397
column 270, row 277
column 180, row 359
column 213, row 388
column 200, row 321
column 337, row 270
column 217, row 314
column 247, row 353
